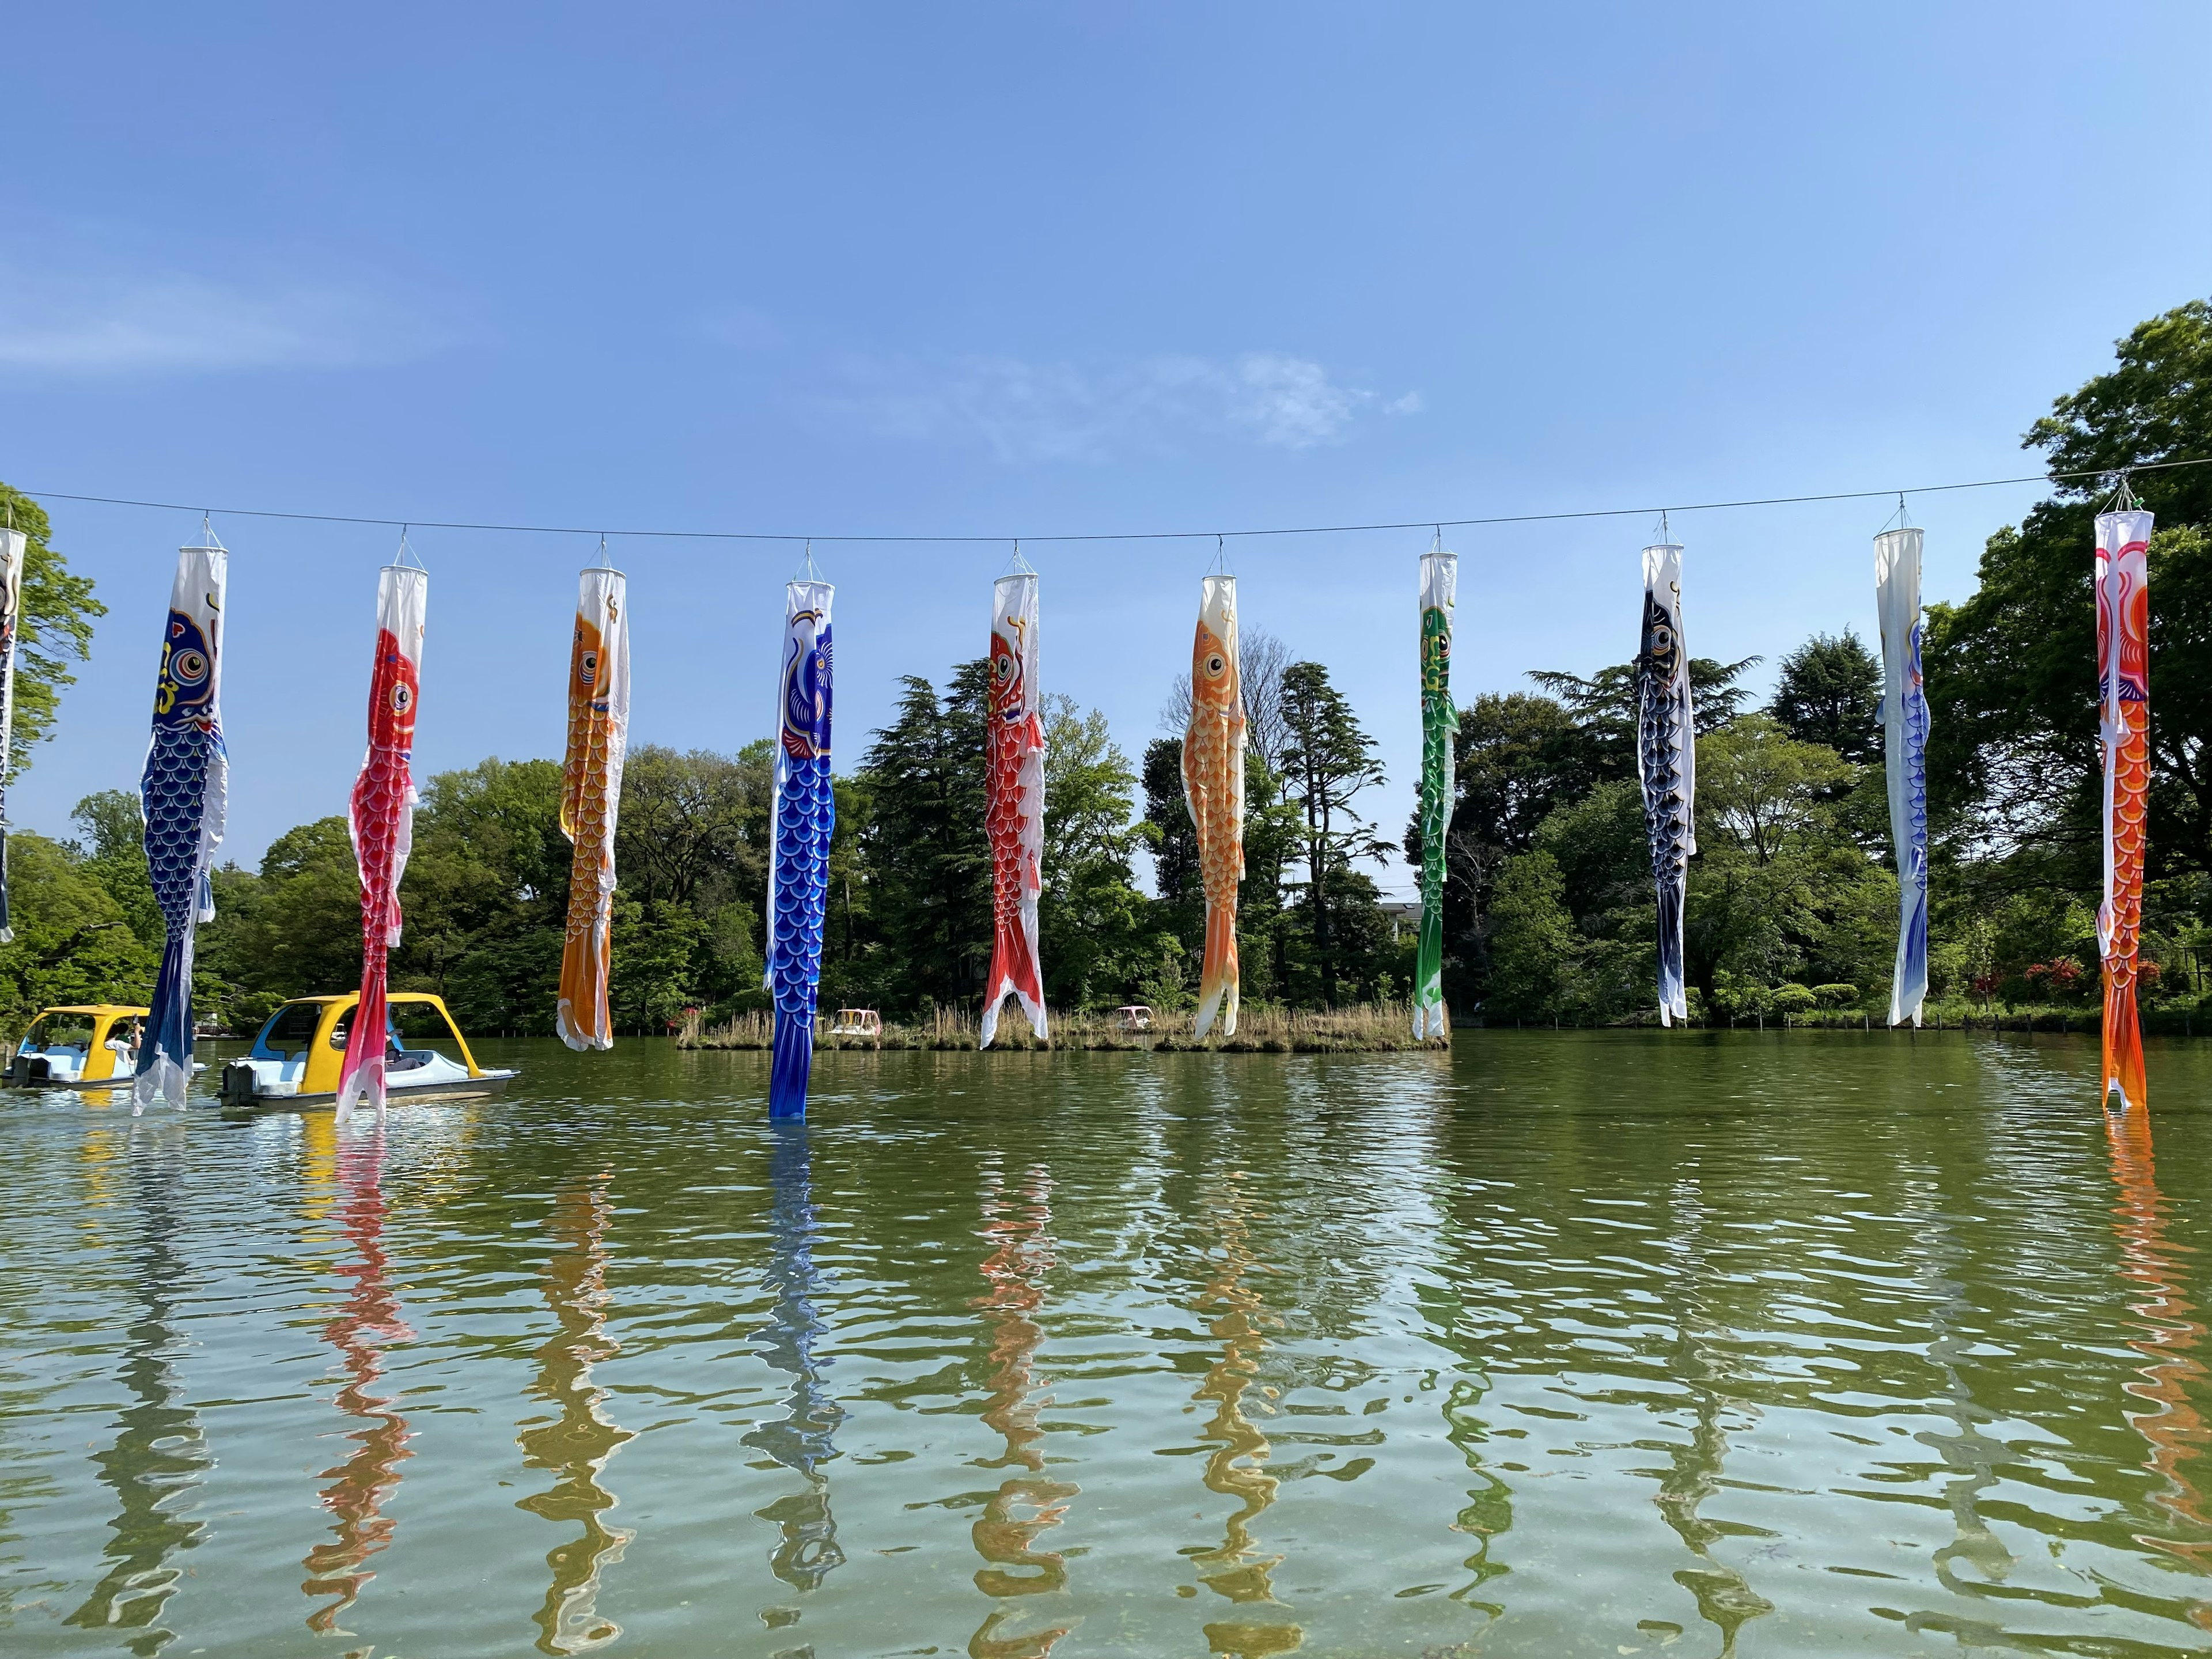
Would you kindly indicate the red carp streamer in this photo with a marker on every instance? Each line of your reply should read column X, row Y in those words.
column 384, row 821
column 1013, row 813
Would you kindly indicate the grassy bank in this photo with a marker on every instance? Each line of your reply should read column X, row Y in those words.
column 1368, row 1028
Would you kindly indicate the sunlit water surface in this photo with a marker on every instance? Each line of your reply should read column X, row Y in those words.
column 1585, row 1343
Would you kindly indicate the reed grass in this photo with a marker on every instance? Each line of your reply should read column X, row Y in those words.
column 1261, row 1028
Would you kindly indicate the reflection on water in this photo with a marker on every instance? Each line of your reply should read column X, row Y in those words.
column 368, row 1321
column 1599, row 1344
column 1237, row 1468
column 807, row 1550
column 1972, row 1456
column 2175, row 1430
column 1025, row 1505
column 578, row 1442
column 159, row 1454
column 1706, row 1368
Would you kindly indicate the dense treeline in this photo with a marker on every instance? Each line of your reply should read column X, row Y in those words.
column 1793, row 896
column 1548, row 904
column 485, row 890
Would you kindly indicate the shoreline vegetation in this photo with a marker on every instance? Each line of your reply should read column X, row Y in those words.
column 1376, row 1028
column 1790, row 920
column 1363, row 1027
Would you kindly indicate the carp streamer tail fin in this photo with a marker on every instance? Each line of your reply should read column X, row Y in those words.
column 1217, row 972
column 2124, row 1051
column 1014, row 973
column 792, row 1058
column 165, row 1051
column 361, row 1076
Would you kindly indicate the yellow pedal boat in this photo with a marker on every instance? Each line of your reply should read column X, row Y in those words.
column 294, row 1061
column 90, row 1045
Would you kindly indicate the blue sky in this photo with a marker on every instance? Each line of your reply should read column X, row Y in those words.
column 1008, row 270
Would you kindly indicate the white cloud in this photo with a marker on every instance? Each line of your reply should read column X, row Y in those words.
column 180, row 324
column 1022, row 411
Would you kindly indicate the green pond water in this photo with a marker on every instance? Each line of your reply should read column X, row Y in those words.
column 1576, row 1343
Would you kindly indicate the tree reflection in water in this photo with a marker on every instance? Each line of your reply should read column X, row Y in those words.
column 160, row 1453
column 1725, row 1598
column 369, row 1320
column 1027, row 1503
column 578, row 1442
column 2175, row 1431
column 1237, row 1467
column 807, row 1549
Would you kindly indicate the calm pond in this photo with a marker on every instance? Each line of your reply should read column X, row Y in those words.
column 1575, row 1343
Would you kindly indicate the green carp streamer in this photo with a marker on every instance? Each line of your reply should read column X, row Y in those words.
column 1439, row 722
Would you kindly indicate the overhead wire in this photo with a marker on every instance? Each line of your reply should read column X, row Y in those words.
column 1440, row 524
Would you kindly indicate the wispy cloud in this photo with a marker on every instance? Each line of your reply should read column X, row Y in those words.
column 180, row 324
column 1023, row 411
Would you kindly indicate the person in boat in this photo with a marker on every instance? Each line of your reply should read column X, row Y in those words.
column 124, row 1041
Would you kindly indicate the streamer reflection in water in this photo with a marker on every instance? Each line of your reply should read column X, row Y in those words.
column 160, row 1453
column 806, row 1547
column 2175, row 1431
column 1237, row 1468
column 1725, row 1599
column 1005, row 1536
column 368, row 1321
column 578, row 1443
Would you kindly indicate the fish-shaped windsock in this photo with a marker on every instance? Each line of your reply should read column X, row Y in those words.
column 13, row 543
column 1667, row 760
column 384, row 820
column 2123, row 728
column 1213, row 788
column 1013, row 811
column 183, row 793
column 1439, row 724
column 806, row 818
column 1904, row 758
column 590, row 794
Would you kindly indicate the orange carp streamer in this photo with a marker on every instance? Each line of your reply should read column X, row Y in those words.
column 2124, row 725
column 1213, row 788
column 591, row 792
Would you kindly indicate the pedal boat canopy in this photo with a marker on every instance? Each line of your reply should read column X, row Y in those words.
column 295, row 1060
column 69, row 1045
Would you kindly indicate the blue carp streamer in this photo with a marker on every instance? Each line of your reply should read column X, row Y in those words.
column 1667, row 761
column 806, row 818
column 14, row 544
column 183, row 793
column 1904, row 744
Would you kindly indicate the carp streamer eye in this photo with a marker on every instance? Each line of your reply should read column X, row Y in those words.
column 1215, row 667
column 403, row 698
column 590, row 669
column 1004, row 667
column 189, row 667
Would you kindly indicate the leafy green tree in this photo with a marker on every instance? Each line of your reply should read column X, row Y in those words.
column 1173, row 843
column 73, row 942
column 1329, row 760
column 58, row 610
column 1097, row 934
column 925, row 844
column 1515, row 759
column 1602, row 707
column 1764, row 789
column 114, row 855
column 1830, row 692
